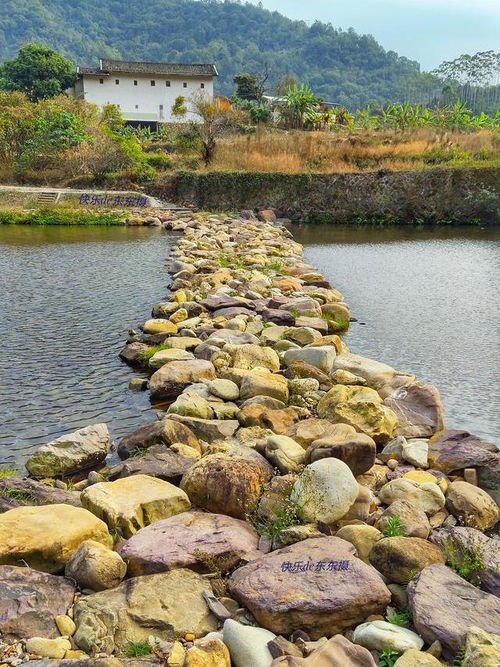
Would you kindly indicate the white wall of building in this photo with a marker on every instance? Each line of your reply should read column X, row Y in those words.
column 143, row 101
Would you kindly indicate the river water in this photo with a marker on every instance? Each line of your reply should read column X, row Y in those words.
column 427, row 301
column 68, row 295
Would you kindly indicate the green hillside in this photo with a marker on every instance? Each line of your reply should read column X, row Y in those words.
column 341, row 66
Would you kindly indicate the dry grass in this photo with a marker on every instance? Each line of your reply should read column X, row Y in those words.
column 295, row 152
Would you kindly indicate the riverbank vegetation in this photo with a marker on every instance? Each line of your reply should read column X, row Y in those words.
column 58, row 215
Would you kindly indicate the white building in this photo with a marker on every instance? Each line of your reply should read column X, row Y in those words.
column 144, row 92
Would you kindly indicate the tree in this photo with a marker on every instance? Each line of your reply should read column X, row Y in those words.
column 38, row 71
column 247, row 87
column 215, row 120
column 301, row 106
column 179, row 108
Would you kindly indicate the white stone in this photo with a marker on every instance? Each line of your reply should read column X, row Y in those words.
column 284, row 453
column 415, row 452
column 427, row 496
column 325, row 490
column 380, row 635
column 247, row 645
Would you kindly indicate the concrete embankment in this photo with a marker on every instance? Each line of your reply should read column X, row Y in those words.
column 442, row 195
column 293, row 503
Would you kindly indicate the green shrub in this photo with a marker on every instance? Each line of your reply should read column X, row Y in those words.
column 159, row 161
column 151, row 351
column 59, row 215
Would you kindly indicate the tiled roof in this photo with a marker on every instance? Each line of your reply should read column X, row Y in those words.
column 113, row 66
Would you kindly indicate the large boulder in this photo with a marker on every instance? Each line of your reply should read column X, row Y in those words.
column 191, row 404
column 171, row 379
column 342, row 442
column 418, row 408
column 189, row 540
column 45, row 537
column 70, row 453
column 317, row 585
column 166, row 605
column 227, row 484
column 471, row 505
column 362, row 408
column 131, row 503
column 399, row 558
column 29, row 601
column 325, row 491
column 160, row 432
column 444, row 606
column 378, row 376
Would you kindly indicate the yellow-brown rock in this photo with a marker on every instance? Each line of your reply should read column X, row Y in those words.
column 158, row 325
column 45, row 537
column 362, row 408
column 208, row 653
column 131, row 503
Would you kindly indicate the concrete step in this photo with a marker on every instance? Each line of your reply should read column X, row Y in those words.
column 47, row 197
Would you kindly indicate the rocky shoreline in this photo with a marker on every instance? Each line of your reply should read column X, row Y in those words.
column 293, row 503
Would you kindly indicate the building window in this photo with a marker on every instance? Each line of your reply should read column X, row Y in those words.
column 117, row 81
column 185, row 85
column 167, row 83
column 135, row 83
column 202, row 85
column 136, row 106
column 153, row 83
column 101, row 80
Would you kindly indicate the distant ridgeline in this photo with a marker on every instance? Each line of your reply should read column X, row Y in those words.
column 341, row 67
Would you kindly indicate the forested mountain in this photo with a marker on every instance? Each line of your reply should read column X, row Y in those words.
column 341, row 66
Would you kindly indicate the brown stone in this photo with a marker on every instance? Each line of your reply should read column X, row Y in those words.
column 196, row 540
column 319, row 601
column 342, row 442
column 160, row 432
column 413, row 520
column 419, row 410
column 279, row 421
column 336, row 652
column 226, row 484
column 399, row 558
column 471, row 505
column 171, row 379
column 444, row 607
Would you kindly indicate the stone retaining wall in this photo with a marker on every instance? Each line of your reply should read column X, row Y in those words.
column 452, row 195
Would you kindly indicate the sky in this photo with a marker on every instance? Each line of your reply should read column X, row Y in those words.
column 429, row 31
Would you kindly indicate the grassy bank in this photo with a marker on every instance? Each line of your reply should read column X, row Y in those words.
column 59, row 215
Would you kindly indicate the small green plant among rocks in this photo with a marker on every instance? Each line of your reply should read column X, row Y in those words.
column 151, row 351
column 20, row 496
column 284, row 517
column 401, row 618
column 387, row 657
column 465, row 559
column 137, row 650
column 394, row 528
